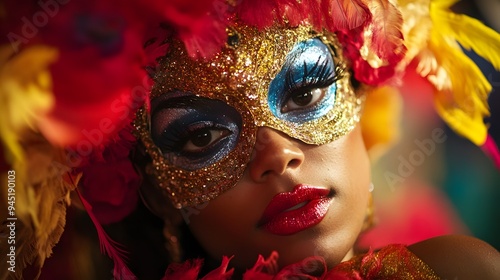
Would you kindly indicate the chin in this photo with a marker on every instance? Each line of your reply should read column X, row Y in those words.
column 314, row 242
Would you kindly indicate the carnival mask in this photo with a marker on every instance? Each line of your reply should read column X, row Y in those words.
column 200, row 128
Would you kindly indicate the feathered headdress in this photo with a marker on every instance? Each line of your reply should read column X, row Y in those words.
column 73, row 74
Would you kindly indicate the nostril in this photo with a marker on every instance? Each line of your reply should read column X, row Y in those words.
column 294, row 163
column 274, row 152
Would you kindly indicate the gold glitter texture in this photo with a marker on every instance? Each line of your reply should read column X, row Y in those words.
column 240, row 75
column 391, row 262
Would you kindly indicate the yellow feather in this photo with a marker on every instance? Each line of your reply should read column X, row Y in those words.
column 466, row 78
column 37, row 235
column 469, row 96
column 471, row 127
column 443, row 4
column 471, row 34
column 25, row 97
column 461, row 88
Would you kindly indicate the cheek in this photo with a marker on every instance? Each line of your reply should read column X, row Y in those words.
column 356, row 170
column 347, row 164
column 359, row 176
column 223, row 226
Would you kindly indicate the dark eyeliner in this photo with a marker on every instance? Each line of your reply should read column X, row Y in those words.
column 179, row 119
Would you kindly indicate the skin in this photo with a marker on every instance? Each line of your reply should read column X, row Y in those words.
column 228, row 224
column 459, row 257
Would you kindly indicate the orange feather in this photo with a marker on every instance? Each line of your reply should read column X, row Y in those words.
column 387, row 38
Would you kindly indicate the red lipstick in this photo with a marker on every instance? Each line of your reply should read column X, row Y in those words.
column 291, row 212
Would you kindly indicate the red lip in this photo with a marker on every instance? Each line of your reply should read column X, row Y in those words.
column 278, row 219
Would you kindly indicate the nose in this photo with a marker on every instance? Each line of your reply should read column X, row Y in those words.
column 274, row 153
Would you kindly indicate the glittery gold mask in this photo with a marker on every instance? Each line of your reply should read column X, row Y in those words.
column 201, row 128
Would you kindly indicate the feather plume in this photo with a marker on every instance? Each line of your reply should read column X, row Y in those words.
column 344, row 14
column 294, row 12
column 469, row 126
column 108, row 246
column 221, row 272
column 416, row 26
column 201, row 25
column 376, row 46
column 41, row 197
column 461, row 88
column 313, row 9
column 52, row 195
column 263, row 268
column 264, row 13
column 37, row 235
column 25, row 94
column 206, row 39
column 464, row 105
column 386, row 36
column 156, row 46
column 471, row 34
column 186, row 270
column 364, row 72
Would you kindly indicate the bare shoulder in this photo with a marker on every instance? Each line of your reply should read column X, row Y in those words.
column 459, row 257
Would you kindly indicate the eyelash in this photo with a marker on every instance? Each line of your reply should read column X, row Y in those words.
column 324, row 79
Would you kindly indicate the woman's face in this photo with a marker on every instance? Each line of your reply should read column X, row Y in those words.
column 323, row 216
column 247, row 132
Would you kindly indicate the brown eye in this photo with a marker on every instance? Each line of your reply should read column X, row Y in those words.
column 303, row 99
column 203, row 138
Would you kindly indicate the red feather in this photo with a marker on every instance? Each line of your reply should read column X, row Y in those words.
column 263, row 268
column 344, row 14
column 264, row 13
column 156, row 46
column 363, row 72
column 313, row 9
column 309, row 268
column 201, row 25
column 205, row 39
column 221, row 272
column 190, row 269
column 387, row 38
column 187, row 270
column 108, row 246
column 491, row 149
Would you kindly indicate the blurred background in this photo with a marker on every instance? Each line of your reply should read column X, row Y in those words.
column 453, row 189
